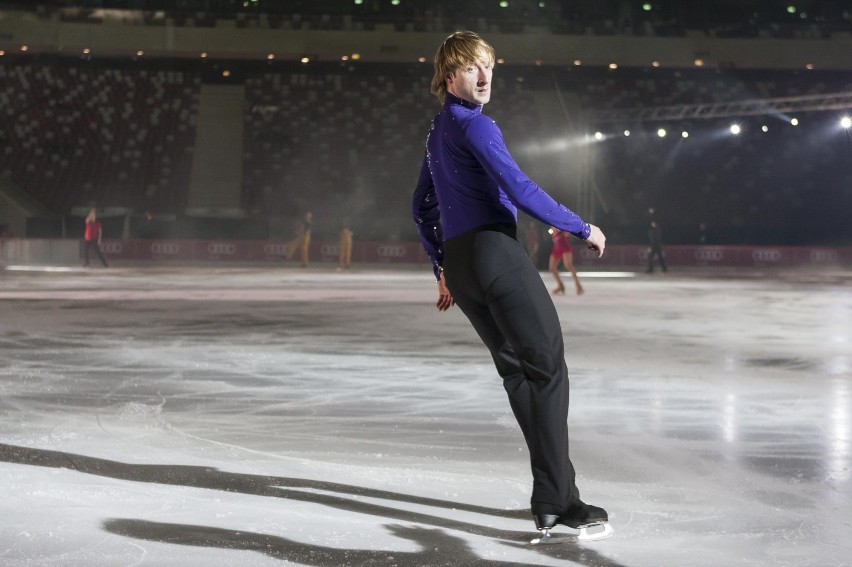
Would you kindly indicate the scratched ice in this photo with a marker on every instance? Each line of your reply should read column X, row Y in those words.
column 221, row 417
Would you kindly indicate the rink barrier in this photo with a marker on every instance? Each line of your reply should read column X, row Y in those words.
column 65, row 251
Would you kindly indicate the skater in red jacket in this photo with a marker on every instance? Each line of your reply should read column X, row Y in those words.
column 92, row 237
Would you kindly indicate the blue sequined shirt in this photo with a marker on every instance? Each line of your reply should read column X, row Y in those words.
column 468, row 179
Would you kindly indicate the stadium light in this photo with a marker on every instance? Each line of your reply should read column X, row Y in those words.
column 627, row 133
column 735, row 129
column 684, row 134
column 662, row 132
column 794, row 121
column 599, row 136
column 846, row 122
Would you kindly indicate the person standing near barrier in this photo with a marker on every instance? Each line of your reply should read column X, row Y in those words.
column 302, row 242
column 92, row 238
column 465, row 208
column 345, row 250
column 655, row 247
column 532, row 242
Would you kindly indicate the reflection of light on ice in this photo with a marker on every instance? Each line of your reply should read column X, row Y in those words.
column 608, row 274
column 838, row 365
column 42, row 269
column 840, row 427
column 729, row 418
column 731, row 362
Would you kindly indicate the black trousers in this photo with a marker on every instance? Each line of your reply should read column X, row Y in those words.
column 497, row 287
column 93, row 245
column 656, row 251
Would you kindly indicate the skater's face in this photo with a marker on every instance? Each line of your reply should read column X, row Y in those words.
column 472, row 82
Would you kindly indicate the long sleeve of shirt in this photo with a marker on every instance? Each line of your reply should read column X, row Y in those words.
column 469, row 179
column 427, row 216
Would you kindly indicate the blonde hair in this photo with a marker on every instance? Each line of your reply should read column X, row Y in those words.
column 459, row 50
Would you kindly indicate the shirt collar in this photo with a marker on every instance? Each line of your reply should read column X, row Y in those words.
column 450, row 98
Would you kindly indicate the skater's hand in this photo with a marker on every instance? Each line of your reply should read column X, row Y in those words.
column 445, row 298
column 596, row 240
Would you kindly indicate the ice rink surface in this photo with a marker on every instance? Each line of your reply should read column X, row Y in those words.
column 266, row 416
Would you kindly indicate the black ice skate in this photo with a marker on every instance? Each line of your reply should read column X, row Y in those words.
column 591, row 522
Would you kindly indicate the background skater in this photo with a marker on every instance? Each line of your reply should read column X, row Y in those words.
column 655, row 247
column 562, row 253
column 345, row 247
column 465, row 206
column 92, row 237
column 302, row 242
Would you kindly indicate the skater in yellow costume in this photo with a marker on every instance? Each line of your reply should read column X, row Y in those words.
column 302, row 242
column 345, row 247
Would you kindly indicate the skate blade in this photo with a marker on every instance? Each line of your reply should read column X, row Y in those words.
column 595, row 532
column 592, row 532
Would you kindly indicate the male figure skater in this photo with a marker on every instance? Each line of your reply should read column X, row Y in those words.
column 465, row 206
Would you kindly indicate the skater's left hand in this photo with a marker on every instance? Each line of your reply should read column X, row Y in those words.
column 596, row 240
column 445, row 298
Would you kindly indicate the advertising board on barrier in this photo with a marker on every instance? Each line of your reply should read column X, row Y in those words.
column 220, row 249
column 168, row 249
column 704, row 256
column 766, row 255
column 617, row 256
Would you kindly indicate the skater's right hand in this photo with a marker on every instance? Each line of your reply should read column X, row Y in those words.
column 445, row 298
column 596, row 240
